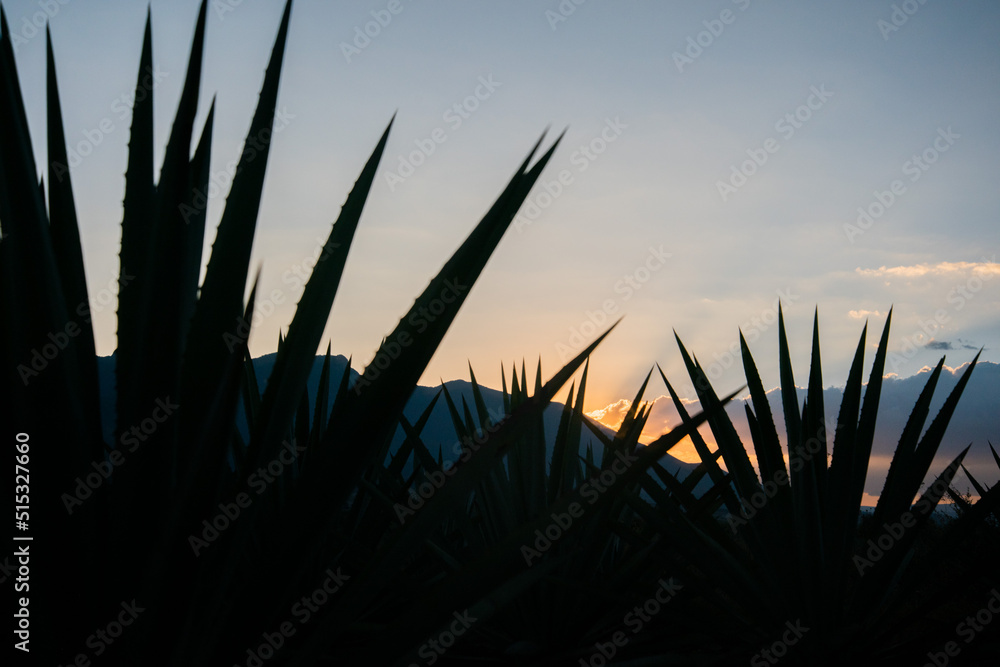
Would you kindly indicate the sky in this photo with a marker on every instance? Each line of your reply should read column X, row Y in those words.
column 719, row 156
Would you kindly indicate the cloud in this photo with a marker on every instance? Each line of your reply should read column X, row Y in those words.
column 862, row 314
column 984, row 269
column 612, row 415
column 948, row 345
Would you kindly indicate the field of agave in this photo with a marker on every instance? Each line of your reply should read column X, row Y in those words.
column 312, row 541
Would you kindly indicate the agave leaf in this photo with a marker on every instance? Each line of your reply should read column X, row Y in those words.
column 412, row 435
column 507, row 560
column 845, row 438
column 904, row 479
column 733, row 452
column 295, row 360
column 557, row 477
column 152, row 470
column 220, row 302
column 789, row 397
column 373, row 407
column 468, row 473
column 69, row 257
column 192, row 233
column 38, row 301
column 470, row 423
column 461, row 428
column 251, row 392
column 767, row 445
column 881, row 583
column 506, row 396
column 172, row 266
column 893, row 499
column 709, row 459
column 199, row 489
column 866, row 428
column 322, row 400
column 48, row 406
column 627, row 420
column 485, row 420
column 980, row 489
column 814, row 422
column 930, row 442
column 137, row 241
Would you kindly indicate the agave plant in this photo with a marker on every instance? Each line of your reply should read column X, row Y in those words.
column 176, row 527
column 791, row 562
column 285, row 531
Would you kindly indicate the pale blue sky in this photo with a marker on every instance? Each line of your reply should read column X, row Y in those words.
column 671, row 135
